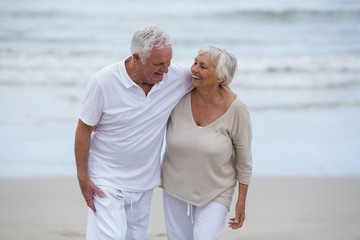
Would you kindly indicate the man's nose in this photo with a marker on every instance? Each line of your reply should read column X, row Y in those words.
column 165, row 67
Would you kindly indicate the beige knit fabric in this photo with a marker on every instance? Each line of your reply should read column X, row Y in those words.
column 203, row 164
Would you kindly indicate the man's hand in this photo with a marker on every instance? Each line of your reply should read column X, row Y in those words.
column 82, row 147
column 88, row 189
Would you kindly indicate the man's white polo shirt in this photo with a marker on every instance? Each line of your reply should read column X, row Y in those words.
column 126, row 148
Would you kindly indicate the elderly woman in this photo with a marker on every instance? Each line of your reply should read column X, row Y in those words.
column 208, row 152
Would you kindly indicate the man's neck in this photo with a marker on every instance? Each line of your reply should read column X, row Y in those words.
column 131, row 69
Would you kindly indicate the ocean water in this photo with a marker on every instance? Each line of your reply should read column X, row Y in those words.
column 299, row 74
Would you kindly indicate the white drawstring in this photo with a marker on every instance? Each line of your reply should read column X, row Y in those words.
column 190, row 212
column 131, row 201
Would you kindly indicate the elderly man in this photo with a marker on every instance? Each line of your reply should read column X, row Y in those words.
column 118, row 165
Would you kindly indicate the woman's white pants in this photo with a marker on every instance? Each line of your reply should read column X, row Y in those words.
column 120, row 215
column 187, row 222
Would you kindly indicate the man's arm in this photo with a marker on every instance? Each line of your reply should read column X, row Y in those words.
column 82, row 147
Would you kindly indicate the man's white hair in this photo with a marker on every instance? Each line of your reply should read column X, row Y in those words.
column 147, row 38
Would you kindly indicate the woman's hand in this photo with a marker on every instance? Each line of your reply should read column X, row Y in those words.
column 237, row 221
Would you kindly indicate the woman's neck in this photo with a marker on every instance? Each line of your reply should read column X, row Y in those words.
column 209, row 95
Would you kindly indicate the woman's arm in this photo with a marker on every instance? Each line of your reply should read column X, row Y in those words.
column 238, row 220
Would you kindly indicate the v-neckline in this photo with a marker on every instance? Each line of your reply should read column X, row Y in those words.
column 213, row 122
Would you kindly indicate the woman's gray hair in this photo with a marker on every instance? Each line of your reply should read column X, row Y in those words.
column 224, row 61
column 147, row 38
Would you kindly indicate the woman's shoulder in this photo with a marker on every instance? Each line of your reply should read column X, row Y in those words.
column 237, row 105
column 229, row 97
column 182, row 104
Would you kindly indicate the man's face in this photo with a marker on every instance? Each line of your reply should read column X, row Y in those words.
column 158, row 62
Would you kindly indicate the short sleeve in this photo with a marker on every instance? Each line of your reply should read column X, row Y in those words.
column 92, row 103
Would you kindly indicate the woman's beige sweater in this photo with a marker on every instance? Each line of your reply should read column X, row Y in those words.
column 203, row 164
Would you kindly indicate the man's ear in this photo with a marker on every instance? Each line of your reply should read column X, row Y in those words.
column 136, row 58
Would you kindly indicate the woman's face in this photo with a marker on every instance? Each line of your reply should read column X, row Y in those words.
column 203, row 72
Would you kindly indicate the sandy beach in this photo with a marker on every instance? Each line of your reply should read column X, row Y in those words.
column 278, row 208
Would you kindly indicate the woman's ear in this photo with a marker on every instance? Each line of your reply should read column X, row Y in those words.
column 221, row 80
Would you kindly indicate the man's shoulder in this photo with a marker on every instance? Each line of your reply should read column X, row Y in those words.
column 108, row 75
column 109, row 69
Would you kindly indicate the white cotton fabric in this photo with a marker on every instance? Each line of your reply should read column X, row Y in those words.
column 126, row 147
column 188, row 222
column 119, row 215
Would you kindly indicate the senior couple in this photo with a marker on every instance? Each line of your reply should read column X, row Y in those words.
column 126, row 110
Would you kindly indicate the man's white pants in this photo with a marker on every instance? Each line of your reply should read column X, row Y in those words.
column 187, row 222
column 120, row 215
